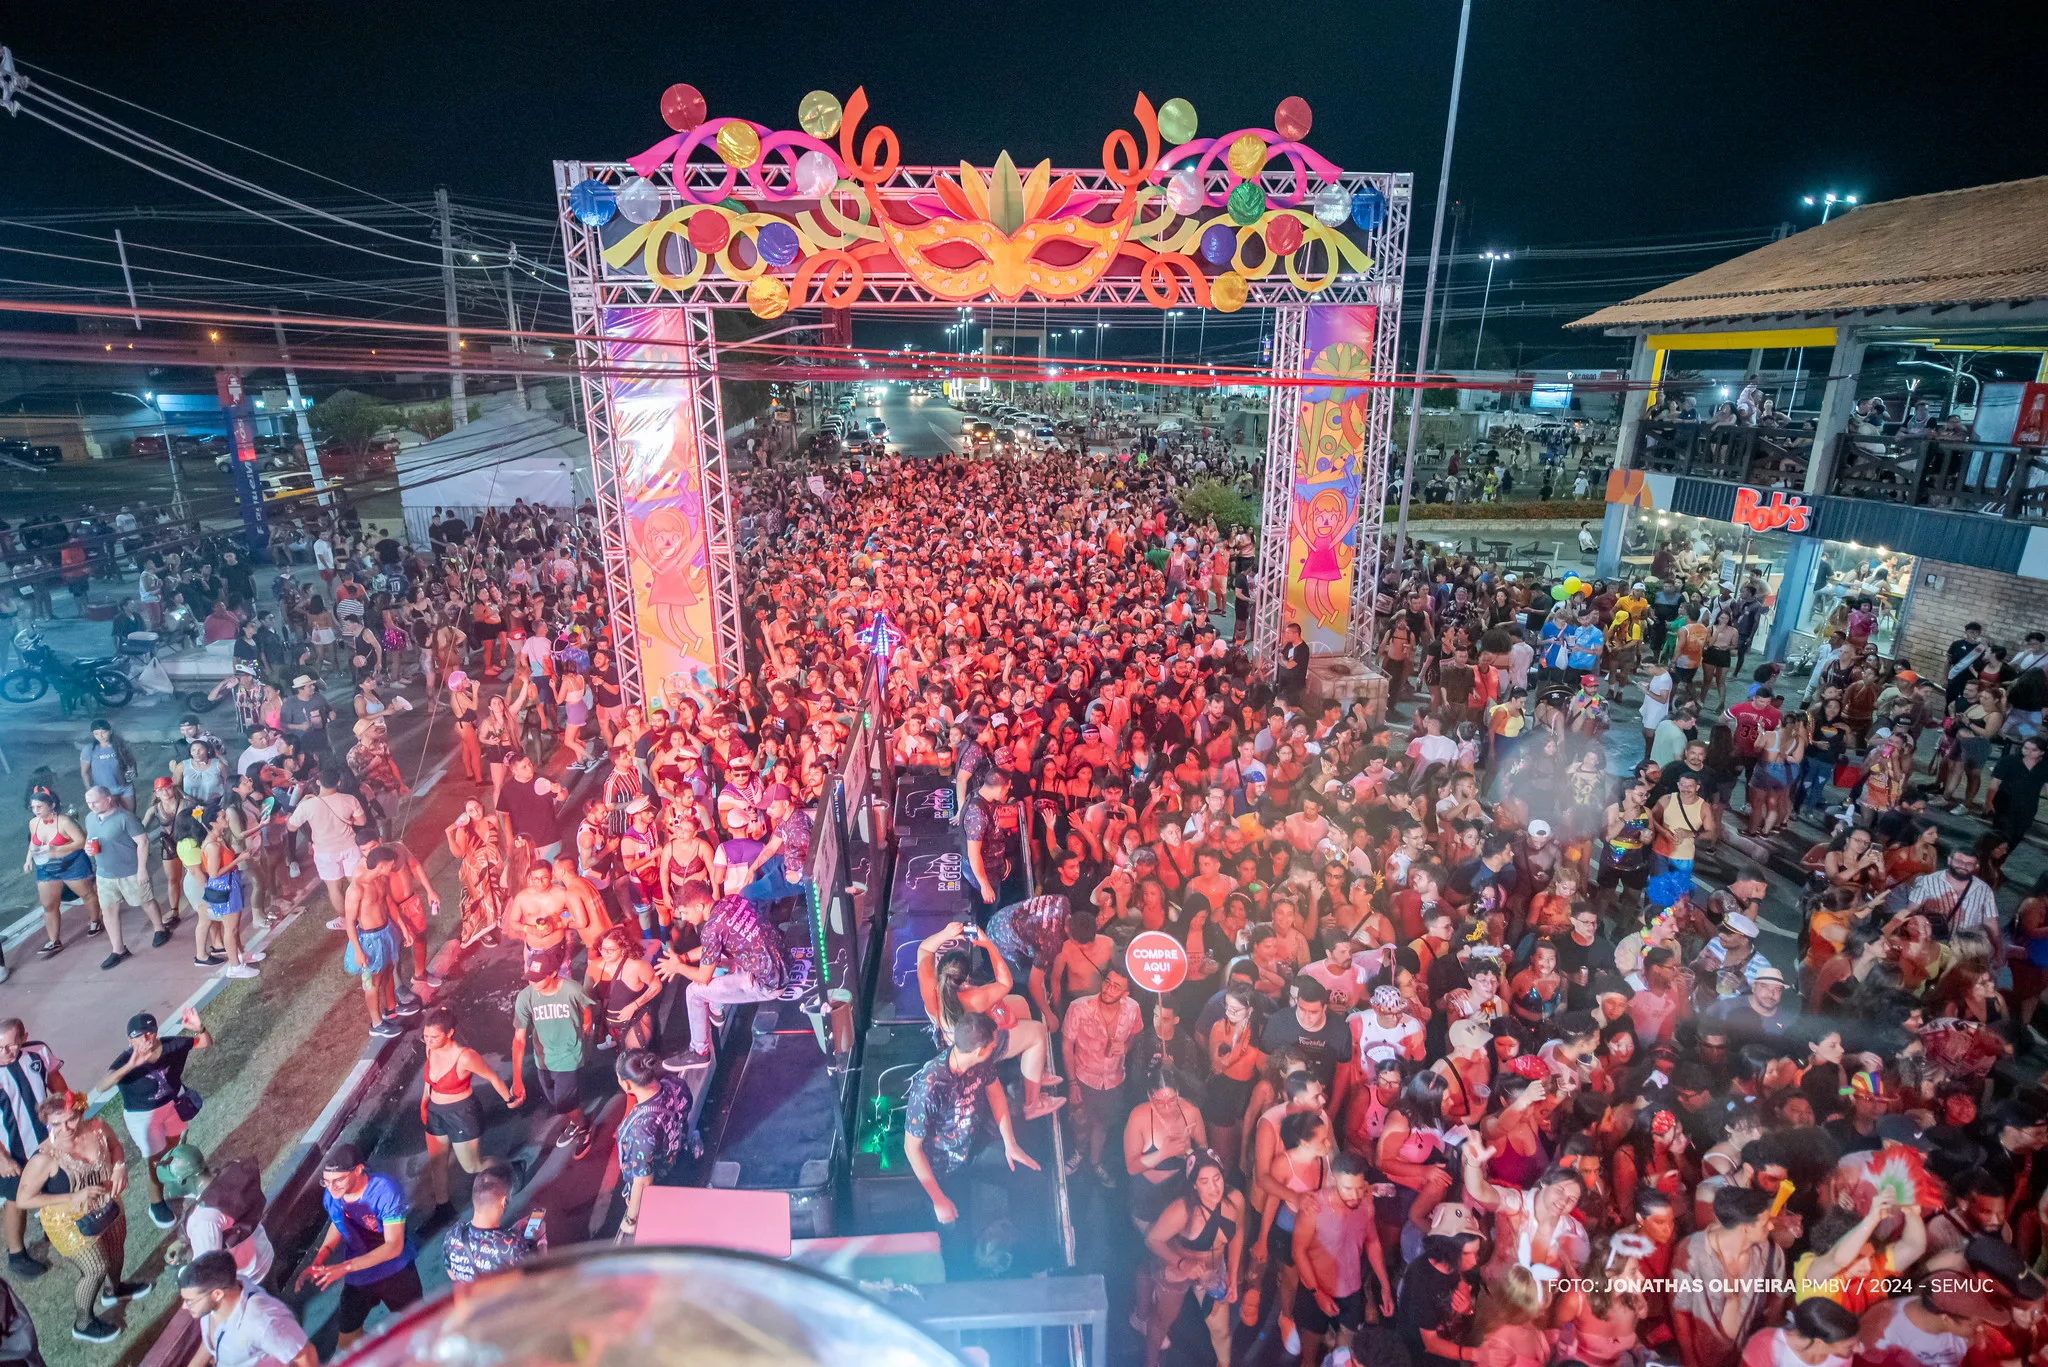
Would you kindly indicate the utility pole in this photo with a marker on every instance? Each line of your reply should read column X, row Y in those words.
column 458, row 397
column 1450, row 264
column 512, row 323
column 122, row 247
column 291, row 386
column 1443, row 194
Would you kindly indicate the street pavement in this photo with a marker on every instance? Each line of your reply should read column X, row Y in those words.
column 67, row 1000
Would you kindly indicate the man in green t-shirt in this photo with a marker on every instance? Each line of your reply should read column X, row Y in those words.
column 557, row 1015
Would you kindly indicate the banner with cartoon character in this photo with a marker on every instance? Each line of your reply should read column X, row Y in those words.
column 1322, row 536
column 661, row 498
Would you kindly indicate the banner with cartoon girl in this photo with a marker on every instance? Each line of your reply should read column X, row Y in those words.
column 661, row 497
column 1322, row 542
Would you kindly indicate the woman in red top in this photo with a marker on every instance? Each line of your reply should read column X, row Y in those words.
column 453, row 1117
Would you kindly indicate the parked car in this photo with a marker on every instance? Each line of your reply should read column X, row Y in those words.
column 148, row 447
column 32, row 455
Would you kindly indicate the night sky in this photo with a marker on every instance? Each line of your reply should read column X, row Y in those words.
column 1582, row 124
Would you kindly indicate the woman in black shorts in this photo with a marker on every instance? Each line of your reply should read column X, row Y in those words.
column 449, row 1107
column 496, row 734
column 625, row 989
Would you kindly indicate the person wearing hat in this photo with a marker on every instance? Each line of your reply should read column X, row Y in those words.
column 155, row 1102
column 1763, row 1013
column 556, row 1014
column 224, row 1207
column 366, row 1224
column 305, row 714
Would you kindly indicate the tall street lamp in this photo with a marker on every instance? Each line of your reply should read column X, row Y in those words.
column 1828, row 202
column 1436, row 239
column 1492, row 259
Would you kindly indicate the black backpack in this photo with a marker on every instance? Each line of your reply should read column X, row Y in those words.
column 236, row 1191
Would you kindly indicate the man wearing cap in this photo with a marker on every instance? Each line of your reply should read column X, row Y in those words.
column 155, row 1101
column 1730, row 960
column 736, row 936
column 556, row 1013
column 1763, row 1013
column 305, row 714
column 240, row 1325
column 366, row 1224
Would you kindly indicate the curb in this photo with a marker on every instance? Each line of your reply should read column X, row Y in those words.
column 286, row 1198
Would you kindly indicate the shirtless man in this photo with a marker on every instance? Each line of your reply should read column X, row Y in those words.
column 540, row 913
column 375, row 941
column 1210, row 880
column 412, row 900
column 587, row 912
column 1078, row 970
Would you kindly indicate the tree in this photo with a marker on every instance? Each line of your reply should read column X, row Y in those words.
column 350, row 422
column 1208, row 499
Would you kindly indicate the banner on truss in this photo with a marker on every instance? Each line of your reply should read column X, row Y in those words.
column 1322, row 526
column 661, row 495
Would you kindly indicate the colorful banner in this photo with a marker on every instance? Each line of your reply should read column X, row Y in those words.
column 661, row 499
column 1322, row 539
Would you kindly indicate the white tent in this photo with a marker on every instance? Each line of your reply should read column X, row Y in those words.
column 507, row 453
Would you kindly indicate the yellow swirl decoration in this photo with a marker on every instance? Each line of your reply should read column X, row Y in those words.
column 844, row 231
column 657, row 235
column 1146, row 230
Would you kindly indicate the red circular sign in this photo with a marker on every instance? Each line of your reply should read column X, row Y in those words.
column 1156, row 962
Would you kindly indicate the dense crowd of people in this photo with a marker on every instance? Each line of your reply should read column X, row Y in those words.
column 1471, row 1047
column 1471, row 1050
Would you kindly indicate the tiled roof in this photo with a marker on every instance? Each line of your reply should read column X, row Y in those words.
column 1985, row 245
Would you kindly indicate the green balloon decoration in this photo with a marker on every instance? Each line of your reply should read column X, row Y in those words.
column 1247, row 203
column 1177, row 121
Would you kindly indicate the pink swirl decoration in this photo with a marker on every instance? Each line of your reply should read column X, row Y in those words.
column 788, row 143
column 1304, row 158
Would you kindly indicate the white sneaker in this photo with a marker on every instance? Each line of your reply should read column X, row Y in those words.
column 252, row 956
column 239, row 971
column 334, row 924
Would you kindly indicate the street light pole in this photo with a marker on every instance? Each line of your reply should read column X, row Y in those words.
column 1492, row 258
column 1436, row 239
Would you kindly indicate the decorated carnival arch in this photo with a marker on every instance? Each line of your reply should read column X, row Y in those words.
column 726, row 213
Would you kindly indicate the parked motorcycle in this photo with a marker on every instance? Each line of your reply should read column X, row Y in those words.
column 99, row 682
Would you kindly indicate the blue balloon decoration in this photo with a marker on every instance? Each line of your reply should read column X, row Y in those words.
column 777, row 244
column 1219, row 244
column 1368, row 208
column 594, row 203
